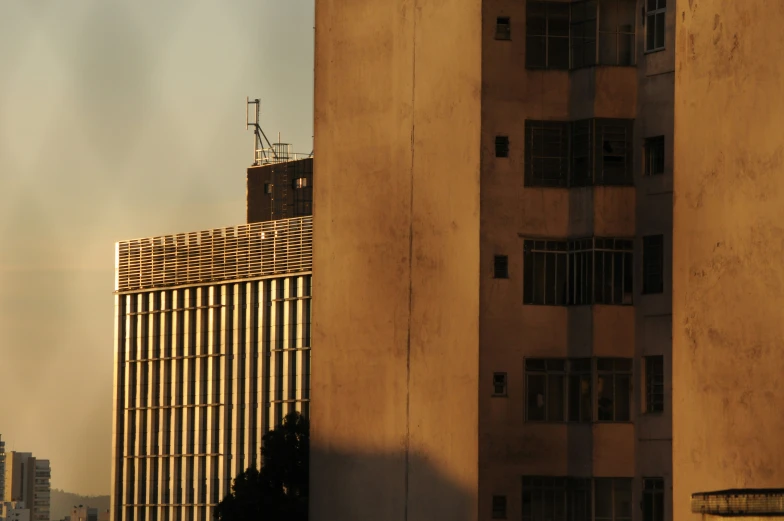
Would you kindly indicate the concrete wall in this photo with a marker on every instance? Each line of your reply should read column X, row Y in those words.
column 728, row 245
column 396, row 259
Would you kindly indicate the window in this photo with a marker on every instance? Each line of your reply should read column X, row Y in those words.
column 654, row 24
column 612, row 499
column 613, row 271
column 546, row 153
column 582, row 33
column 556, row 498
column 582, row 153
column 547, row 35
column 544, row 272
column 616, row 32
column 499, row 507
column 654, row 383
column 577, row 272
column 545, row 380
column 613, row 389
column 654, row 155
column 558, row 389
column 614, row 136
column 653, row 264
column 503, row 28
column 653, row 499
column 580, row 406
column 501, row 267
column 301, row 182
column 499, row 384
column 501, row 146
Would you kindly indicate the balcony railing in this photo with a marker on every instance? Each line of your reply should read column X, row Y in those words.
column 239, row 252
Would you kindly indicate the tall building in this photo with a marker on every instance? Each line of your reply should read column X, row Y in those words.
column 493, row 262
column 27, row 480
column 212, row 350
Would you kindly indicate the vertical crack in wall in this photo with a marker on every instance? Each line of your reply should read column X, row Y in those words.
column 410, row 266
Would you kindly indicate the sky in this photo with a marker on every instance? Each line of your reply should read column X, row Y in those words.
column 119, row 119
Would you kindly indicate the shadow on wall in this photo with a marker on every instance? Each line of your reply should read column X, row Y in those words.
column 351, row 486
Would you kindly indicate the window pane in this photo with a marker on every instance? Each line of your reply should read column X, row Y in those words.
column 557, row 19
column 528, row 278
column 575, row 398
column 617, row 278
column 549, row 279
column 535, row 52
column 586, row 407
column 608, row 48
column 623, row 499
column 659, row 30
column 540, row 260
column 650, row 32
column 603, row 508
column 535, row 392
column 651, row 5
column 605, row 397
column 622, row 398
column 608, row 16
column 555, row 398
column 535, row 19
column 558, row 53
column 627, row 15
column 625, row 49
column 560, row 277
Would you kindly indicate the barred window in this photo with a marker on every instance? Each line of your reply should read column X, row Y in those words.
column 546, row 153
column 654, row 383
column 612, row 499
column 613, row 389
column 582, row 153
column 578, row 272
column 613, row 271
column 544, row 272
column 566, row 499
column 545, row 385
column 547, row 35
column 614, row 144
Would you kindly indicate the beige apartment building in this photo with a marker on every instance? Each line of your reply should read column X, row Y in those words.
column 499, row 292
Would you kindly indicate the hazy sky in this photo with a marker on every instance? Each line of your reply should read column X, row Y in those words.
column 118, row 120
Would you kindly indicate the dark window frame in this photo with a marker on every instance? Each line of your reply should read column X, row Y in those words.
column 500, row 266
column 572, row 496
column 654, row 384
column 500, row 379
column 503, row 28
column 552, row 374
column 543, row 34
column 653, row 264
column 619, row 489
column 655, row 151
column 655, row 22
column 653, row 499
column 499, row 507
column 502, row 146
column 547, row 153
column 583, row 34
column 622, row 36
column 577, row 272
column 618, row 372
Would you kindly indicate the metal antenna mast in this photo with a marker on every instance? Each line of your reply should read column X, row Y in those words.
column 260, row 152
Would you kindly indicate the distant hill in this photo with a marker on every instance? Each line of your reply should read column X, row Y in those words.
column 62, row 502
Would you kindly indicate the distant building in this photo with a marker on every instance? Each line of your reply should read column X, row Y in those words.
column 28, row 480
column 212, row 349
column 83, row 513
column 2, row 470
column 14, row 511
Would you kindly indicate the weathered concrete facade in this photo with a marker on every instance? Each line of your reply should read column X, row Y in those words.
column 413, row 324
column 727, row 325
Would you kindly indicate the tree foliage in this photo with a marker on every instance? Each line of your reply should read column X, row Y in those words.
column 279, row 491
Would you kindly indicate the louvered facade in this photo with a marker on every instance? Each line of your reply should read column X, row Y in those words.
column 212, row 350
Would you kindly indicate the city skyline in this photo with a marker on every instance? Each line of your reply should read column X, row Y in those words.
column 88, row 124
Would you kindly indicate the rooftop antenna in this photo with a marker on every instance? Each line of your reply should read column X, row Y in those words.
column 261, row 154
